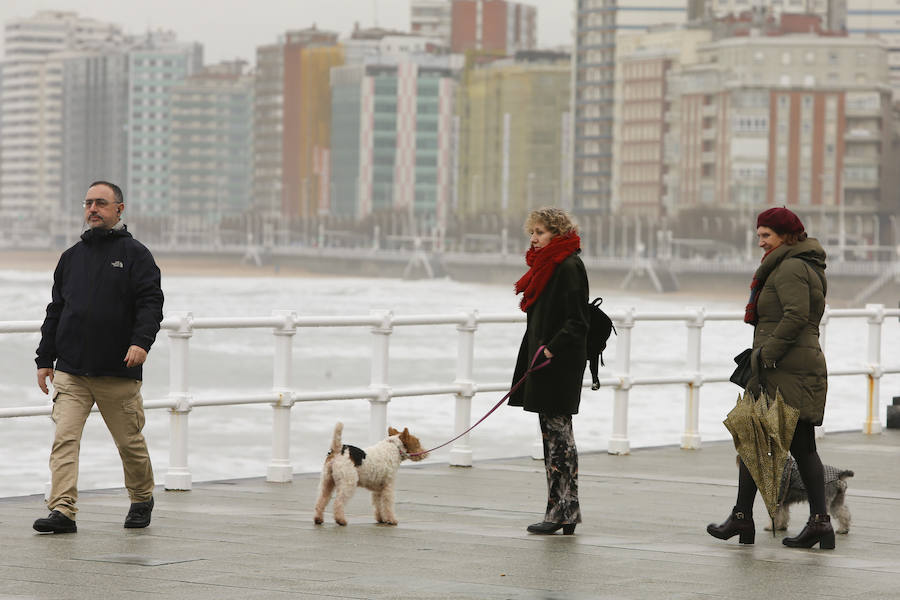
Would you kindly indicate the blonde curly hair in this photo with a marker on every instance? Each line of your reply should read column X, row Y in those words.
column 556, row 220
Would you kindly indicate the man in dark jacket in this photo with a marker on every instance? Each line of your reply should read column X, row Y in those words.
column 104, row 315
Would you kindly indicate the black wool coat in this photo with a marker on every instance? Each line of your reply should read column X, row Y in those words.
column 558, row 319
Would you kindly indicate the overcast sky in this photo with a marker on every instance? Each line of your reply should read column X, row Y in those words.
column 234, row 28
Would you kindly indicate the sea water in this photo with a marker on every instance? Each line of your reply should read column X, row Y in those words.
column 235, row 441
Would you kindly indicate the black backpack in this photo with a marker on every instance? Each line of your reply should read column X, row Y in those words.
column 599, row 330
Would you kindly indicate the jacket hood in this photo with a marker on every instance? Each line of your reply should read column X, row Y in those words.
column 92, row 235
column 809, row 250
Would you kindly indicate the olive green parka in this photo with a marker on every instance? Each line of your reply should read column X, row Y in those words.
column 790, row 307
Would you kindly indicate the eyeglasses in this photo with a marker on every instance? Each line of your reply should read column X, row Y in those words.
column 99, row 203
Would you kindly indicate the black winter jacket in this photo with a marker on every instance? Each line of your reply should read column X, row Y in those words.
column 106, row 297
column 558, row 319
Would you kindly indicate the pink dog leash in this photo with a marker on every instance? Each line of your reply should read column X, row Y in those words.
column 531, row 369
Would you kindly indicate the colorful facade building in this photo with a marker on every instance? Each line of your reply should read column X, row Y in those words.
column 391, row 137
column 211, row 140
column 513, row 125
column 291, row 122
column 156, row 63
column 492, row 26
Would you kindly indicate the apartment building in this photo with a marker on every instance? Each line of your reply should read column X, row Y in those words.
column 292, row 115
column 597, row 25
column 31, row 105
column 514, row 146
column 392, row 135
column 495, row 26
column 643, row 63
column 794, row 120
column 211, row 140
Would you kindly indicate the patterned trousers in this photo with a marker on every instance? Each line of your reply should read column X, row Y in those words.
column 561, row 464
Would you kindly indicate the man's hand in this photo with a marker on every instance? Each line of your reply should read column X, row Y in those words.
column 135, row 356
column 42, row 376
column 547, row 353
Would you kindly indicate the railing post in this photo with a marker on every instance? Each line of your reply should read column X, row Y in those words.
column 690, row 439
column 178, row 477
column 876, row 318
column 378, row 380
column 618, row 443
column 461, row 453
column 280, row 470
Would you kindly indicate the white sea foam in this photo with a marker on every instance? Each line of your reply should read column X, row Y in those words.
column 228, row 442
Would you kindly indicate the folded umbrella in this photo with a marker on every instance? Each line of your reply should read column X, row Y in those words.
column 762, row 429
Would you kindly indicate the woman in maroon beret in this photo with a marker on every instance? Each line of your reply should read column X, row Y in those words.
column 787, row 299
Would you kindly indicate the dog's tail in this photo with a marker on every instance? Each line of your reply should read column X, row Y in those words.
column 336, row 439
column 845, row 474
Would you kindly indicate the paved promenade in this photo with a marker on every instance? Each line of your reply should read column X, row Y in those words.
column 462, row 535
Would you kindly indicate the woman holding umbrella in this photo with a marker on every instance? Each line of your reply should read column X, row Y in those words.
column 787, row 299
column 555, row 297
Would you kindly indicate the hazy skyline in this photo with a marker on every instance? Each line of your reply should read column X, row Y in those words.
column 234, row 28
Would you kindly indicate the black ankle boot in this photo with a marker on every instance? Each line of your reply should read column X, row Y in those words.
column 817, row 531
column 546, row 528
column 739, row 523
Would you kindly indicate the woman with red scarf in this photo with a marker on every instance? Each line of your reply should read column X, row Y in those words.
column 787, row 299
column 555, row 297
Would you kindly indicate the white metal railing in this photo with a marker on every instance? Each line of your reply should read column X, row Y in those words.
column 381, row 323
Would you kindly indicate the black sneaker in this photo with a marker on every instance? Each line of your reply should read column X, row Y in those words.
column 139, row 514
column 55, row 522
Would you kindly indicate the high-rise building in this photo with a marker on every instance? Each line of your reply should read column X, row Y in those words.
column 495, row 26
column 593, row 94
column 95, row 115
column 881, row 18
column 211, row 135
column 514, row 116
column 430, row 19
column 156, row 63
column 794, row 120
column 391, row 138
column 291, row 122
column 31, row 105
column 644, row 61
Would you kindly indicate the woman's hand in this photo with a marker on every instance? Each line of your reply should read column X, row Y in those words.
column 547, row 353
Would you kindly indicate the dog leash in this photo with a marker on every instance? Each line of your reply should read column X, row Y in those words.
column 531, row 369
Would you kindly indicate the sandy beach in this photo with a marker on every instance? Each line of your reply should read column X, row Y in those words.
column 205, row 266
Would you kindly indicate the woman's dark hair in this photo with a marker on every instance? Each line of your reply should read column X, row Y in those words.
column 792, row 238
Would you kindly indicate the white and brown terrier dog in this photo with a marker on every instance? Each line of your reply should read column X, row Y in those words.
column 373, row 468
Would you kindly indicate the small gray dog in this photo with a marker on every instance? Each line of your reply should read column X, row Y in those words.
column 835, row 493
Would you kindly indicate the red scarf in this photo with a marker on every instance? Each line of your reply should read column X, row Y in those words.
column 543, row 262
column 750, row 314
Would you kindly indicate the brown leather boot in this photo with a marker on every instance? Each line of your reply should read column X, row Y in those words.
column 817, row 531
column 737, row 523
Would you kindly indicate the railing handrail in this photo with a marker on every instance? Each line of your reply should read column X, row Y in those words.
column 381, row 323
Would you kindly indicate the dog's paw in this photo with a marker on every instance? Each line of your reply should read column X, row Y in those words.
column 842, row 530
column 341, row 521
column 318, row 520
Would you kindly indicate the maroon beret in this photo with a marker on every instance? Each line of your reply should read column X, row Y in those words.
column 780, row 220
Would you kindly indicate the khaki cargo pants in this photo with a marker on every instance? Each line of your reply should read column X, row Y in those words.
column 122, row 408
